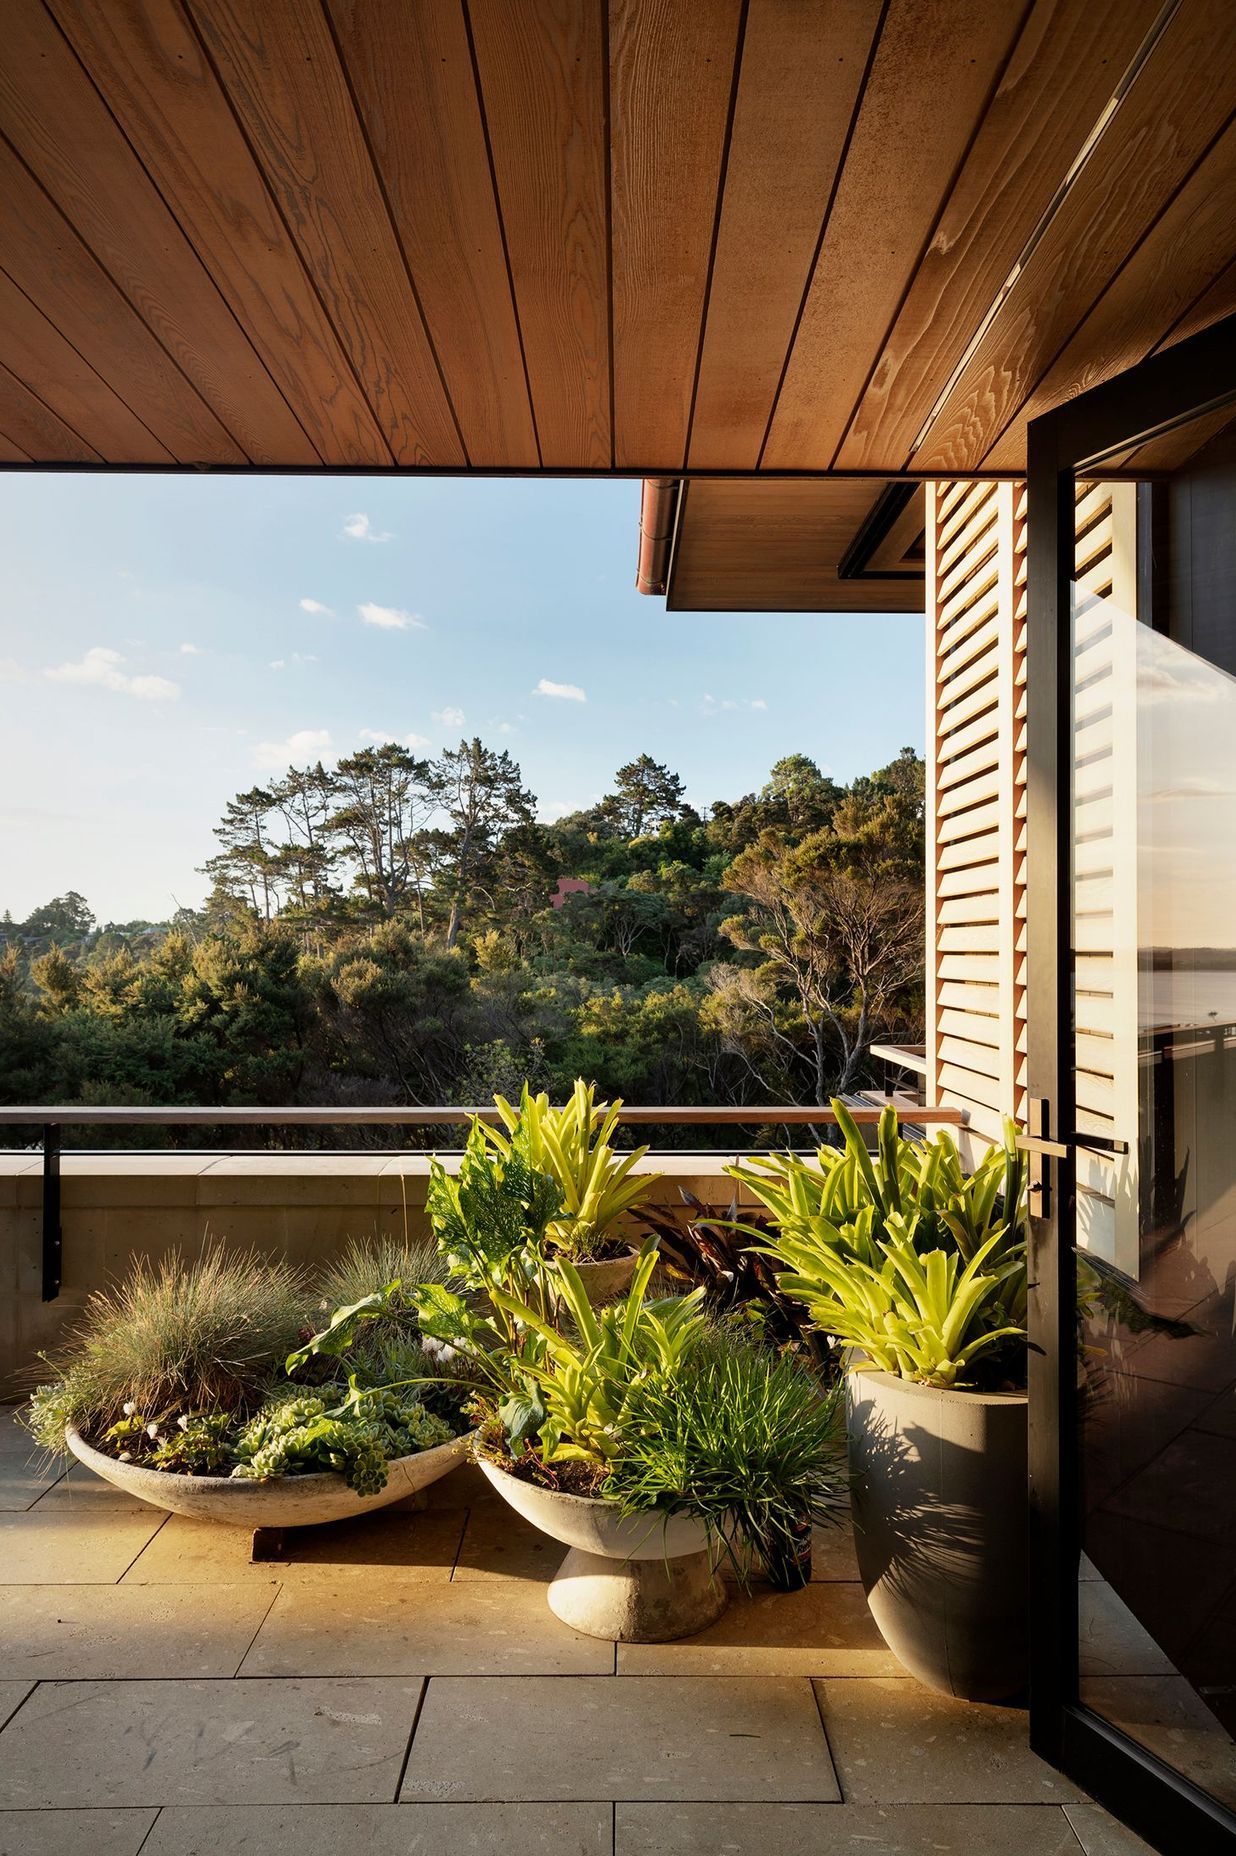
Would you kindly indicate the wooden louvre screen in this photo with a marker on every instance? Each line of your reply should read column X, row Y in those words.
column 976, row 623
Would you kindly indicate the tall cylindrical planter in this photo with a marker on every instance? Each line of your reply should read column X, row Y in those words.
column 940, row 1523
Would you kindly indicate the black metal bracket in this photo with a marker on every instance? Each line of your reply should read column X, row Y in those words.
column 53, row 1236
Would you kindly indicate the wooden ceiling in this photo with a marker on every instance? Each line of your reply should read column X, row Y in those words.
column 637, row 235
column 744, row 545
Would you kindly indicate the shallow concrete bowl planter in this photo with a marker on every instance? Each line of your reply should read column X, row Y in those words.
column 284, row 1501
column 643, row 1579
column 940, row 1521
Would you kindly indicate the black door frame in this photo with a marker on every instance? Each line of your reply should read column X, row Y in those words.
column 1167, row 390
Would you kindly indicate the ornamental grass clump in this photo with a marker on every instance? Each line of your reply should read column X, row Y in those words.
column 181, row 1335
column 905, row 1261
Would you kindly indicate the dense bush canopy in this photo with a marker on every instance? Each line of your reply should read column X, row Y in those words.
column 392, row 930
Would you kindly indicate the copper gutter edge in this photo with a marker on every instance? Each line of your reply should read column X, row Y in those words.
column 657, row 515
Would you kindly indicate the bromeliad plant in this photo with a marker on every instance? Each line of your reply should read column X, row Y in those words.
column 574, row 1146
column 900, row 1256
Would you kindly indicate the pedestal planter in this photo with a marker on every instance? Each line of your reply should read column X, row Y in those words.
column 940, row 1519
column 647, row 1579
column 284, row 1501
column 606, row 1280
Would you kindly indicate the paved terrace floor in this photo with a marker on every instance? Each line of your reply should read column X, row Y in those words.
column 400, row 1686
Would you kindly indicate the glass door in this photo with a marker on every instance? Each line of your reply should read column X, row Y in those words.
column 1139, row 1236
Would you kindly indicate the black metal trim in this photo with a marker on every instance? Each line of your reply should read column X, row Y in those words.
column 876, row 527
column 52, row 1233
column 1156, row 396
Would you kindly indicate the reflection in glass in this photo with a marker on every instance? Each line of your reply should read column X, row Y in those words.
column 1154, row 891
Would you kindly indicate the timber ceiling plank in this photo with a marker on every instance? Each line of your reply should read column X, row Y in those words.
column 542, row 71
column 1067, row 62
column 1176, row 105
column 11, row 453
column 929, row 86
column 68, row 139
column 37, row 353
column 671, row 72
column 1174, row 266
column 152, row 72
column 802, row 69
column 280, row 69
column 411, row 74
column 37, row 428
column 47, row 261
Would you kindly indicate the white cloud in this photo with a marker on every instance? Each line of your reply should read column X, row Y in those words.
column 380, row 736
column 554, row 809
column 568, row 692
column 297, row 660
column 360, row 528
column 759, row 703
column 191, row 650
column 712, row 705
column 101, row 667
column 391, row 618
column 316, row 606
column 11, row 671
column 449, row 718
column 307, row 744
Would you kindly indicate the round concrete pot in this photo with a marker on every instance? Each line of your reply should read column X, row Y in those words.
column 940, row 1520
column 641, row 1579
column 606, row 1280
column 284, row 1501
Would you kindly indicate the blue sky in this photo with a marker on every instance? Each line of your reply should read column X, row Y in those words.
column 166, row 642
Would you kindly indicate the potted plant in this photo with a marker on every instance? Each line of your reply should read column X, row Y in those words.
column 646, row 1437
column 917, row 1272
column 175, row 1388
column 599, row 1187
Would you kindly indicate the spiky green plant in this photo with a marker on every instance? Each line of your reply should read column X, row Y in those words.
column 574, row 1144
column 741, row 1437
column 900, row 1256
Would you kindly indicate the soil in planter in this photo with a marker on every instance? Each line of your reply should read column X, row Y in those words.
column 584, row 1479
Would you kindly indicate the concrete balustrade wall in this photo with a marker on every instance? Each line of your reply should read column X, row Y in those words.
column 118, row 1207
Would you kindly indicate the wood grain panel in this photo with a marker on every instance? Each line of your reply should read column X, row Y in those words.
column 670, row 74
column 36, row 429
column 750, row 545
column 1173, row 267
column 898, row 170
column 411, row 74
column 542, row 68
column 11, row 453
column 157, row 82
column 1067, row 61
column 38, row 354
column 46, row 259
column 1178, row 103
column 802, row 66
column 281, row 72
column 66, row 136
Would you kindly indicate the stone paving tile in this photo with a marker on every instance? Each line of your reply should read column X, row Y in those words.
column 832, row 1553
column 74, row 1833
column 896, row 1742
column 842, row 1830
column 215, row 1742
column 420, row 1629
column 824, row 1630
column 587, row 1737
column 1111, row 1642
column 80, row 1491
column 72, row 1632
column 12, row 1694
column 1101, row 1835
column 48, row 1547
column 388, row 1546
column 500, row 1544
column 1168, row 1716
column 386, row 1830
